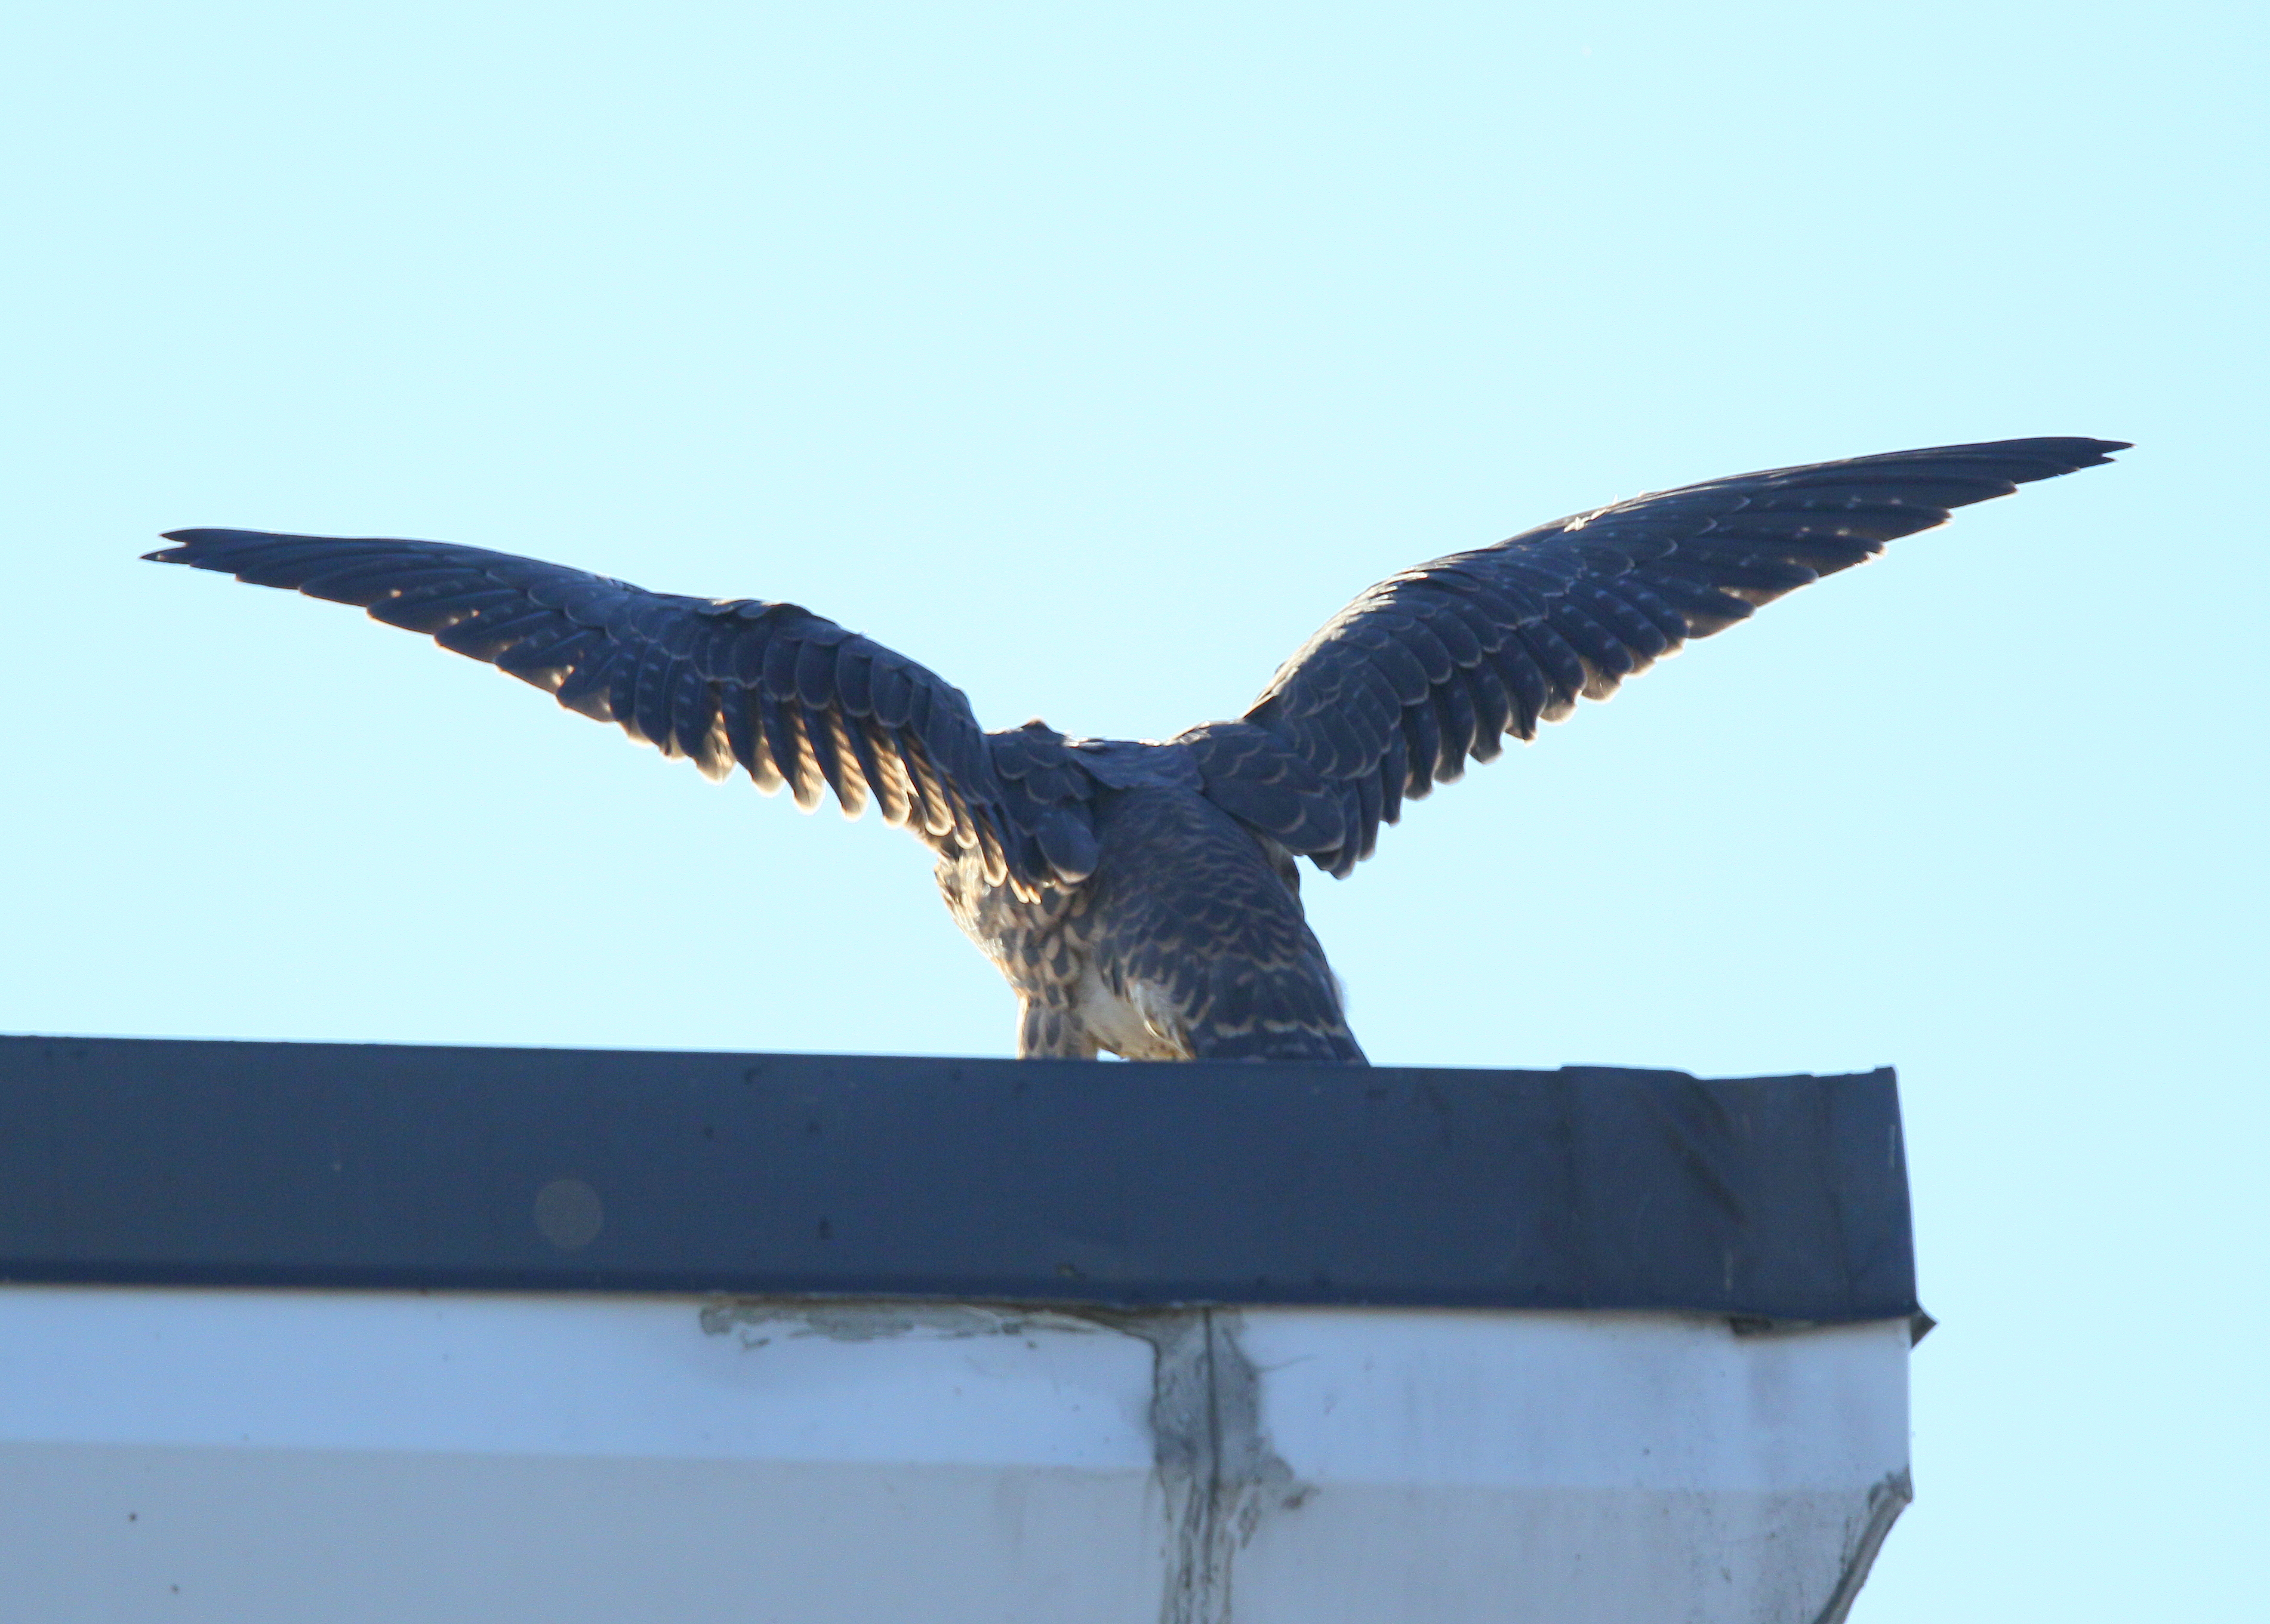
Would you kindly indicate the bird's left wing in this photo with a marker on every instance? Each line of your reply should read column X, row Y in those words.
column 794, row 699
column 1440, row 662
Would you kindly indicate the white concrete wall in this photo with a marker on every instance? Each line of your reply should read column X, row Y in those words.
column 251, row 1456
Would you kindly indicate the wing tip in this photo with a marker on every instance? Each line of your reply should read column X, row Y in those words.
column 188, row 545
column 2052, row 455
column 178, row 552
column 2096, row 453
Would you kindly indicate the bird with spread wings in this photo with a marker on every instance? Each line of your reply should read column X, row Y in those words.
column 1144, row 898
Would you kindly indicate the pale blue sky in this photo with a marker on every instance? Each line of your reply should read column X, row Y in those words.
column 1092, row 360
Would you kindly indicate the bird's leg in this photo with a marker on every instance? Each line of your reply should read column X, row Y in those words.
column 1051, row 1032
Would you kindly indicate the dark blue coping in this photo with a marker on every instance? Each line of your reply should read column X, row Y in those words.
column 135, row 1160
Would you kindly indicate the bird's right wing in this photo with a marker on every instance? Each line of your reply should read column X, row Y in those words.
column 795, row 700
column 1443, row 661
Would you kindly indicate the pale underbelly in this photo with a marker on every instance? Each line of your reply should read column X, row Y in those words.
column 1141, row 1024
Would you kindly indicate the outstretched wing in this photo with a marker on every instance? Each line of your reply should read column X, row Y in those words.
column 794, row 699
column 1440, row 662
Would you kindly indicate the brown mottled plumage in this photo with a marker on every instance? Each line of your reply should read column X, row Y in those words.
column 1143, row 898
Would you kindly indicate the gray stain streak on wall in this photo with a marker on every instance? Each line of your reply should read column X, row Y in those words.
column 1886, row 1501
column 1214, row 1464
column 1216, row 1470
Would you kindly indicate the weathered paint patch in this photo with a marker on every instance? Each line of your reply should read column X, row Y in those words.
column 1216, row 1469
column 756, row 1321
column 1217, row 1474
